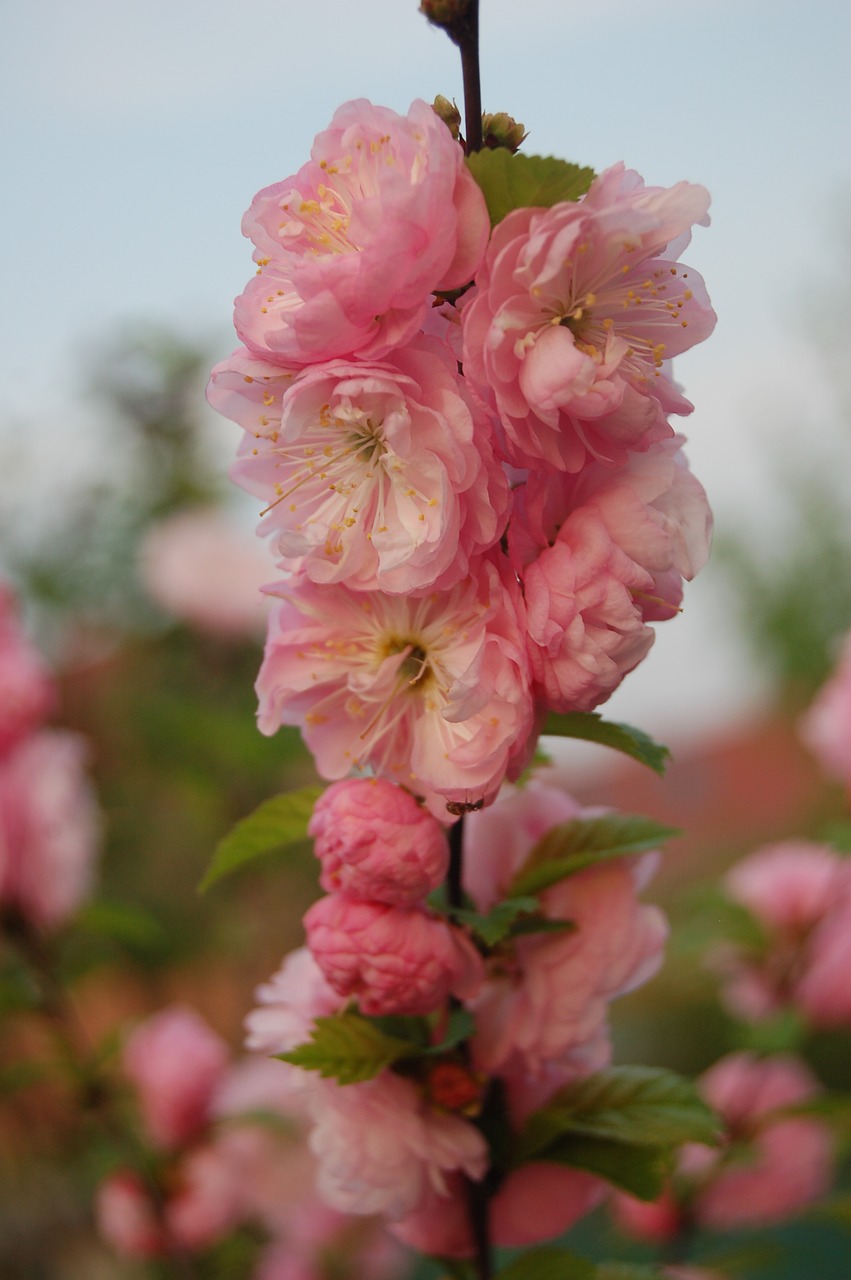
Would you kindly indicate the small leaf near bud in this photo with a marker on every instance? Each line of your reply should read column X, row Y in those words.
column 499, row 129
column 448, row 113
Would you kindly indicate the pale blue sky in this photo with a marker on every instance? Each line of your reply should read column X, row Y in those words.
column 136, row 132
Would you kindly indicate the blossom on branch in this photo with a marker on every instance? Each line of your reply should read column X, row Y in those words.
column 576, row 310
column 350, row 248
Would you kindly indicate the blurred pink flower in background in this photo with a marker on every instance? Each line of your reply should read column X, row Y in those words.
column 175, row 1061
column 770, row 1166
column 799, row 894
column 375, row 842
column 202, row 569
column 826, row 726
column 27, row 690
column 49, row 828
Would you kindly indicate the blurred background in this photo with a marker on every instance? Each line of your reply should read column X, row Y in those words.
column 135, row 136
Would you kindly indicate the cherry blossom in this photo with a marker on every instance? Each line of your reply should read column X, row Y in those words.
column 350, row 248
column 432, row 691
column 377, row 474
column 576, row 310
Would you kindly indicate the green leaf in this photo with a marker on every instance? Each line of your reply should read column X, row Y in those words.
column 591, row 727
column 460, row 1026
column 497, row 924
column 349, row 1049
column 579, row 843
column 548, row 1263
column 277, row 823
column 641, row 1106
column 513, row 181
column 640, row 1170
column 123, row 922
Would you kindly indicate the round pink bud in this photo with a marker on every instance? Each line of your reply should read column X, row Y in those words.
column 391, row 959
column 376, row 842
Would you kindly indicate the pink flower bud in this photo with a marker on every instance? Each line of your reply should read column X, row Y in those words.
column 175, row 1061
column 375, row 842
column 391, row 959
column 126, row 1218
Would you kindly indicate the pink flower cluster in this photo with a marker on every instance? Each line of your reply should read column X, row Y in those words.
column 771, row 1165
column 799, row 895
column 402, row 1146
column 214, row 1166
column 463, row 550
column 49, row 821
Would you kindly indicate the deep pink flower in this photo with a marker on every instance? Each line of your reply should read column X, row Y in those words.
column 381, row 1148
column 49, row 828
column 176, row 1061
column 378, row 474
column 289, row 1003
column 431, row 691
column 391, row 959
column 576, row 310
column 374, row 841
column 27, row 691
column 350, row 248
column 826, row 726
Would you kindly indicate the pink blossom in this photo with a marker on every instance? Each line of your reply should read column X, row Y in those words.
column 497, row 840
column 800, row 894
column 350, row 248
column 576, row 310
column 546, row 1003
column 289, row 1003
column 381, row 1148
column 652, row 508
column 585, row 630
column 374, row 841
column 391, row 959
column 126, row 1218
column 826, row 727
column 199, row 567
column 49, row 828
column 175, row 1060
column 432, row 692
column 791, row 1160
column 207, row 1203
column 378, row 474
column 536, row 1202
column 27, row 692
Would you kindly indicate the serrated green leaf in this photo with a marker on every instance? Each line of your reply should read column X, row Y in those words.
column 641, row 1106
column 496, row 925
column 548, row 1263
column 579, row 843
column 277, row 823
column 348, row 1048
column 460, row 1026
column 591, row 727
column 642, row 1171
column 514, row 181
